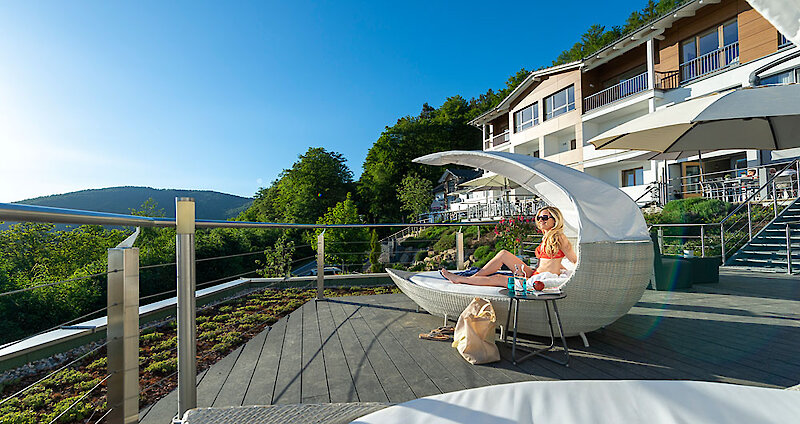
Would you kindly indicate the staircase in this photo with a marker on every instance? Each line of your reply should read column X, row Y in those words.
column 767, row 250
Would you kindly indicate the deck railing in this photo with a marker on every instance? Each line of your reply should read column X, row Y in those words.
column 710, row 62
column 501, row 138
column 122, row 323
column 616, row 92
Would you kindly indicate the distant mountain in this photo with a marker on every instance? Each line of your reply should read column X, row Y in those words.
column 208, row 204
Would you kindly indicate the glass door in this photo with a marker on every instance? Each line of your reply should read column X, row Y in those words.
column 691, row 179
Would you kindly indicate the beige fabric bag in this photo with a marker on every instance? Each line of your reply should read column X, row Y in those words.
column 474, row 333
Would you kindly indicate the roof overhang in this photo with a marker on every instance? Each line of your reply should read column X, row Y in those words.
column 636, row 38
column 532, row 78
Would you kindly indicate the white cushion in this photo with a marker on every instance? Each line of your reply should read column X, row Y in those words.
column 434, row 280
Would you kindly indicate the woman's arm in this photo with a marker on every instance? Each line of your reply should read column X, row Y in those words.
column 566, row 247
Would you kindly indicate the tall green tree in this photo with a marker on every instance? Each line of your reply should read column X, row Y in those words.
column 416, row 194
column 303, row 193
column 342, row 245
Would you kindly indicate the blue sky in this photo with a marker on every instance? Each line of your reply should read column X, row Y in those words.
column 224, row 95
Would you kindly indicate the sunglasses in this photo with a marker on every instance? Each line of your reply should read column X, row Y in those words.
column 543, row 217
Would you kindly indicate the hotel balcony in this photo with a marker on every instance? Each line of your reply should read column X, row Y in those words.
column 616, row 92
column 495, row 140
column 710, row 62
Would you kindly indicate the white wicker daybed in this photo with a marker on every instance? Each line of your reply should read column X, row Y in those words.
column 615, row 253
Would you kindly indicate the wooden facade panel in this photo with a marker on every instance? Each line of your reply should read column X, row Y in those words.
column 757, row 37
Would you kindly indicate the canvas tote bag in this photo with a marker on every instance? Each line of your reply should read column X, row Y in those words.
column 474, row 333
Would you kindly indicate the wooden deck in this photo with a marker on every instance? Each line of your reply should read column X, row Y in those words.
column 745, row 330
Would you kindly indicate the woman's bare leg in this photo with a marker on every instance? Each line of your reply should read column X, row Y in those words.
column 503, row 257
column 476, row 280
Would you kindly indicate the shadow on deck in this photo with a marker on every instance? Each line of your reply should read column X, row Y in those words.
column 745, row 330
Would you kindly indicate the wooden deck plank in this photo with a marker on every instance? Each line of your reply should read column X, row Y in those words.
column 215, row 378
column 262, row 383
column 340, row 383
column 233, row 391
column 700, row 350
column 368, row 386
column 420, row 383
column 165, row 409
column 393, row 382
column 288, row 381
column 314, row 380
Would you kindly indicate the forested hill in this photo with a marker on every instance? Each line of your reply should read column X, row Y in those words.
column 209, row 204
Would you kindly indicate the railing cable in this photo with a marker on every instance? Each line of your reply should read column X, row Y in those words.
column 53, row 373
column 80, row 399
column 58, row 282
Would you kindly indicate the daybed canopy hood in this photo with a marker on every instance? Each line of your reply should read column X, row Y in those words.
column 593, row 210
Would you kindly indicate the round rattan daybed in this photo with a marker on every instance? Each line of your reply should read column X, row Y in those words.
column 615, row 253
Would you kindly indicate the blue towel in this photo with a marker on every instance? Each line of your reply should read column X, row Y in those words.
column 473, row 270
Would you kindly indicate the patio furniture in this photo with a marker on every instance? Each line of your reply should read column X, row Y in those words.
column 548, row 299
column 599, row 402
column 615, row 257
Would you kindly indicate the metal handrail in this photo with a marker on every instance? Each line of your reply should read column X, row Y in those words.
column 30, row 213
column 616, row 92
column 710, row 62
column 763, row 187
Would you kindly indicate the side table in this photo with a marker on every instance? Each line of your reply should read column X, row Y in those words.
column 548, row 299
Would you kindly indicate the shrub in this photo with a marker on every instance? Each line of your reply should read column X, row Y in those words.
column 166, row 344
column 98, row 364
column 221, row 318
column 448, row 241
column 37, row 400
column 160, row 356
column 17, row 417
column 209, row 335
column 422, row 254
column 252, row 308
column 86, row 385
column 226, row 309
column 76, row 413
column 152, row 337
column 164, row 367
column 201, row 319
column 66, row 377
column 208, row 326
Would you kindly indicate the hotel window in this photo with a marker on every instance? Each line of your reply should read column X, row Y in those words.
column 526, row 118
column 559, row 103
column 783, row 41
column 633, row 177
column 696, row 57
column 573, row 144
column 785, row 77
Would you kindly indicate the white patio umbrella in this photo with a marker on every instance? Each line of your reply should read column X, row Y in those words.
column 593, row 210
column 765, row 118
column 784, row 15
column 490, row 182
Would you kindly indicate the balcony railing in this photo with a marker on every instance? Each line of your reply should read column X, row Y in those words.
column 619, row 91
column 491, row 210
column 667, row 80
column 500, row 138
column 710, row 62
column 783, row 41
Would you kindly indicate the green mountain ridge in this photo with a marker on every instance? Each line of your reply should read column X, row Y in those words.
column 209, row 204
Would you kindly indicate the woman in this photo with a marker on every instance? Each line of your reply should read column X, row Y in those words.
column 553, row 248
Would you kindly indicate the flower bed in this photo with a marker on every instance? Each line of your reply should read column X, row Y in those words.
column 221, row 328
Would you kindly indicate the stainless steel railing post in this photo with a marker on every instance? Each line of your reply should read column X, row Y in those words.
column 187, row 326
column 459, row 249
column 774, row 200
column 722, row 240
column 788, row 249
column 661, row 240
column 321, row 265
column 749, row 221
column 703, row 240
column 123, row 335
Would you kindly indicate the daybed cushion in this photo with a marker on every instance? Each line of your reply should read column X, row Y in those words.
column 434, row 280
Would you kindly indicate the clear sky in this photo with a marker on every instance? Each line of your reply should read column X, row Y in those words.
column 224, row 95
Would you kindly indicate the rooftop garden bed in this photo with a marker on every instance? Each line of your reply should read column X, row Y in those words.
column 221, row 328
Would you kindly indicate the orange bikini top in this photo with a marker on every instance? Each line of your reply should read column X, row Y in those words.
column 541, row 254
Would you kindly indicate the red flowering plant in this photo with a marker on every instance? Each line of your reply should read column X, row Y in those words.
column 511, row 232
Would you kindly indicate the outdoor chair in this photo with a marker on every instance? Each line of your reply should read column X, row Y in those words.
column 615, row 256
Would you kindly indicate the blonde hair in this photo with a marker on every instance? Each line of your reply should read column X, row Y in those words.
column 552, row 239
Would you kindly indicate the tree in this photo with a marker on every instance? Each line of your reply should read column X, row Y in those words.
column 342, row 245
column 277, row 259
column 303, row 193
column 374, row 253
column 416, row 194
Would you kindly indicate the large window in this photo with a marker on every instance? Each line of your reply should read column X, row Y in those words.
column 526, row 118
column 633, row 177
column 559, row 103
column 696, row 52
column 785, row 77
